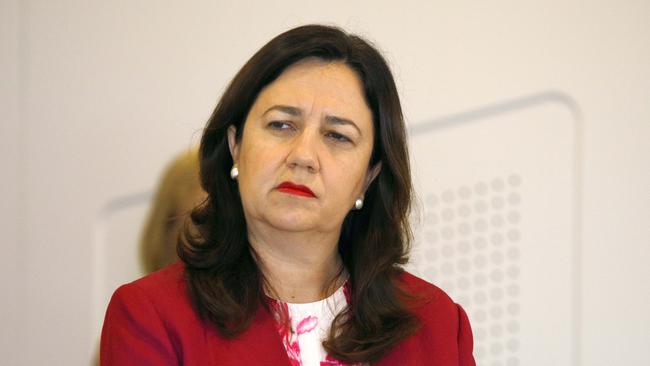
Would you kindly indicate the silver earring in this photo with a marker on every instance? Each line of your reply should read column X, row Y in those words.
column 234, row 172
column 358, row 204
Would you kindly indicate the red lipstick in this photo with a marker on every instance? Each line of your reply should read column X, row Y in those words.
column 296, row 189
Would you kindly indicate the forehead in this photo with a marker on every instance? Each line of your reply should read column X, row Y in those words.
column 318, row 86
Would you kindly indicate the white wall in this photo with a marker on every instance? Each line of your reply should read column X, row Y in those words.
column 97, row 96
column 10, row 93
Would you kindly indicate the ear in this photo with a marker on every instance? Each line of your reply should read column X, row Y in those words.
column 232, row 143
column 371, row 175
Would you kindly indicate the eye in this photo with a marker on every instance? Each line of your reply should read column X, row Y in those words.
column 337, row 137
column 279, row 125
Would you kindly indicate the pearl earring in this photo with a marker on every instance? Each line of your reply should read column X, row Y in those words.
column 234, row 172
column 358, row 204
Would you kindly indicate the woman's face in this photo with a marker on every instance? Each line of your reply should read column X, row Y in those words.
column 304, row 154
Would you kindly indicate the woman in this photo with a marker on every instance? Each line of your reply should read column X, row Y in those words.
column 296, row 255
column 179, row 191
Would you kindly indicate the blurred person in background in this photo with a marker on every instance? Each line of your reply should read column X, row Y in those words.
column 295, row 257
column 178, row 192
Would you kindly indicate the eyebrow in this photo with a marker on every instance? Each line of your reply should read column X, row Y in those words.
column 342, row 121
column 286, row 109
column 296, row 112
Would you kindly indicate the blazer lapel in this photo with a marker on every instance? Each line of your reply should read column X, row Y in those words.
column 260, row 344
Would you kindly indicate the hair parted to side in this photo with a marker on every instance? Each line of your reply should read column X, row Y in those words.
column 225, row 283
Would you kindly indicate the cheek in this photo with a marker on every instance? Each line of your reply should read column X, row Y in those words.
column 257, row 164
column 348, row 182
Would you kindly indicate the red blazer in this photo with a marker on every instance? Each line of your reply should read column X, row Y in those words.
column 151, row 322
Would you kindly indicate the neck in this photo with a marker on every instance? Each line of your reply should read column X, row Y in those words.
column 298, row 267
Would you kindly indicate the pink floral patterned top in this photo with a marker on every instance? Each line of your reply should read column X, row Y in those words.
column 303, row 327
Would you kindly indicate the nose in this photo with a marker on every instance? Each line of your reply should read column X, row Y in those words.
column 304, row 153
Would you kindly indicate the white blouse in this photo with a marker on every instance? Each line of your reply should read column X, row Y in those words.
column 308, row 324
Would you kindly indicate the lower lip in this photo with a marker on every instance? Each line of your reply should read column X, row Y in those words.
column 296, row 192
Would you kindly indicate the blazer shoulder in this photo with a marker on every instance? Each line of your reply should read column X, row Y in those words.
column 445, row 327
column 163, row 293
column 167, row 281
column 164, row 290
column 149, row 321
column 423, row 290
column 429, row 302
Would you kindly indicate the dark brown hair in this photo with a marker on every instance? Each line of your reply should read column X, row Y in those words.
column 226, row 284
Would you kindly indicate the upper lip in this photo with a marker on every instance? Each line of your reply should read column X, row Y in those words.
column 297, row 187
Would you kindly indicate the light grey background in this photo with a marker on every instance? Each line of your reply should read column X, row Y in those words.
column 97, row 96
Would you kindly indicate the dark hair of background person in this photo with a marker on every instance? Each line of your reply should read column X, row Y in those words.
column 178, row 192
column 225, row 283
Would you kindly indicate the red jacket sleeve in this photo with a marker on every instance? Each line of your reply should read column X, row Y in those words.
column 465, row 340
column 133, row 332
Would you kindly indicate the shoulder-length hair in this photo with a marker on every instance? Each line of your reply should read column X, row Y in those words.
column 224, row 281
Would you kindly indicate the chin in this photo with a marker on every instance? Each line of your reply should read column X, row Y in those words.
column 292, row 222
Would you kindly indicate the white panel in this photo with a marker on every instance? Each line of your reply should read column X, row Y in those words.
column 498, row 229
column 116, row 249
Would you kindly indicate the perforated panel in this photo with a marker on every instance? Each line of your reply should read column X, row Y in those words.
column 497, row 225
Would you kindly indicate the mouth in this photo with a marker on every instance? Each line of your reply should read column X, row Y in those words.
column 295, row 189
